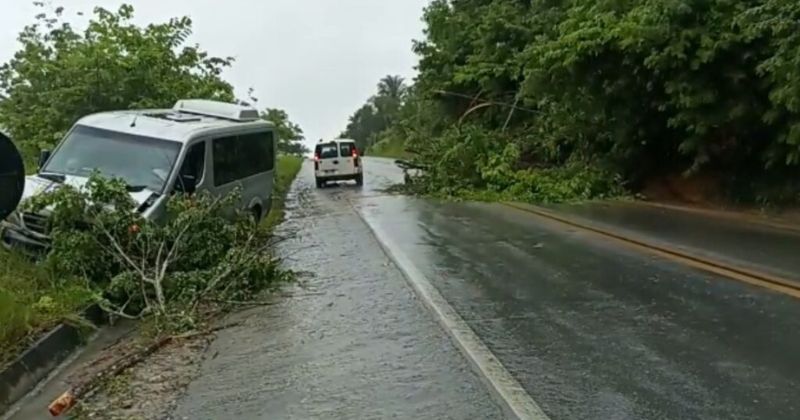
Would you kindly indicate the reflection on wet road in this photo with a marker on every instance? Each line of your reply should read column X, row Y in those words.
column 589, row 329
column 597, row 332
column 762, row 248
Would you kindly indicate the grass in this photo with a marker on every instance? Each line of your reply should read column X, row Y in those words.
column 391, row 148
column 31, row 302
column 287, row 170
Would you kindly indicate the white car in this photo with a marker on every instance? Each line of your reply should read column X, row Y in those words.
column 338, row 160
column 197, row 145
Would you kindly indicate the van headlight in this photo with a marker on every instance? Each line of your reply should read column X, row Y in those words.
column 13, row 219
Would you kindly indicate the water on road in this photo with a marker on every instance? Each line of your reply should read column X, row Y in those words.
column 353, row 343
column 590, row 330
column 763, row 248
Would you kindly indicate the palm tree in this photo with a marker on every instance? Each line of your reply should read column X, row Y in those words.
column 392, row 87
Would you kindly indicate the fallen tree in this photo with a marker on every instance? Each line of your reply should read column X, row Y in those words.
column 201, row 253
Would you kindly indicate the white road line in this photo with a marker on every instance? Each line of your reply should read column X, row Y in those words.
column 507, row 391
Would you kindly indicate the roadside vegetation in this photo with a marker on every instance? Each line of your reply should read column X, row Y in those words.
column 573, row 100
column 177, row 275
column 287, row 170
column 33, row 300
column 389, row 148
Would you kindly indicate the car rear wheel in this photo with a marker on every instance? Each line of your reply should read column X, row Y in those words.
column 320, row 183
column 360, row 180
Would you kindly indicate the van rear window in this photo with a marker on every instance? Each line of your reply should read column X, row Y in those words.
column 327, row 151
column 347, row 149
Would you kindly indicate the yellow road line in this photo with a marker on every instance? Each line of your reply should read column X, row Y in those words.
column 767, row 281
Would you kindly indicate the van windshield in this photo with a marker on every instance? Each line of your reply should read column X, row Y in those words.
column 142, row 162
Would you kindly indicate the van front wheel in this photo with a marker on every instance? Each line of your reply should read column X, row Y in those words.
column 256, row 213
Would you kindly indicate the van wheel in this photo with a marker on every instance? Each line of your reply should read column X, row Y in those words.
column 256, row 214
column 320, row 183
column 360, row 180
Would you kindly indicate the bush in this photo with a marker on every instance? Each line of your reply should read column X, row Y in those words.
column 569, row 183
column 469, row 159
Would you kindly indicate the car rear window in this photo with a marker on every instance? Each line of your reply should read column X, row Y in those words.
column 327, row 151
column 346, row 149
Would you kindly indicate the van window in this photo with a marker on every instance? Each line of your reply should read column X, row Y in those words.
column 259, row 152
column 347, row 149
column 239, row 157
column 195, row 163
column 327, row 151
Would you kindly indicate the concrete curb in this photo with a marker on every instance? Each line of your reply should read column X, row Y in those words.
column 38, row 361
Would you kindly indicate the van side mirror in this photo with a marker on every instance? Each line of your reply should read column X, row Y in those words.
column 12, row 177
column 186, row 184
column 44, row 156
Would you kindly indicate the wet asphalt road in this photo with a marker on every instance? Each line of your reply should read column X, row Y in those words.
column 757, row 247
column 590, row 330
column 354, row 343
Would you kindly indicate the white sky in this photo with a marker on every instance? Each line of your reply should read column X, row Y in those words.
column 317, row 59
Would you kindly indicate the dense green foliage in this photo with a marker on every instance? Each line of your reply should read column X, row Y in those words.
column 639, row 88
column 59, row 75
column 389, row 148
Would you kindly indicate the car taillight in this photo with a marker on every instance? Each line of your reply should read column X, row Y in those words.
column 355, row 152
column 316, row 157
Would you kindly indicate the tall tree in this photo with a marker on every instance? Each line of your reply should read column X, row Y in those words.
column 380, row 111
column 290, row 135
column 60, row 74
column 392, row 87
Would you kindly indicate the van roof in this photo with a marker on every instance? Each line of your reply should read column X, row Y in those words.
column 338, row 141
column 172, row 124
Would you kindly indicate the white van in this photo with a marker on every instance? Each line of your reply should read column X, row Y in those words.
column 338, row 160
column 197, row 145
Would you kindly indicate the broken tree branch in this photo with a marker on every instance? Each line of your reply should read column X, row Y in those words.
column 68, row 399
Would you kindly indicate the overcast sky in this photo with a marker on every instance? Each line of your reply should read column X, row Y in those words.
column 317, row 59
